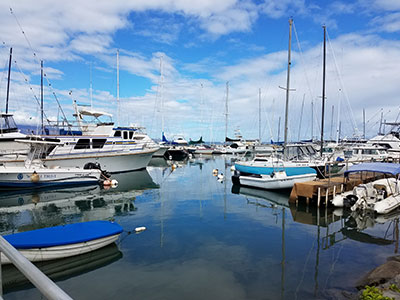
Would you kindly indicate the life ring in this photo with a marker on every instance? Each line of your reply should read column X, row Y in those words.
column 35, row 177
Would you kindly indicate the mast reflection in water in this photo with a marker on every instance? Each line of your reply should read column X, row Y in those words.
column 206, row 239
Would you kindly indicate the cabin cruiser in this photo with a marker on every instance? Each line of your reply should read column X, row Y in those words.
column 116, row 149
column 9, row 132
column 365, row 152
column 390, row 141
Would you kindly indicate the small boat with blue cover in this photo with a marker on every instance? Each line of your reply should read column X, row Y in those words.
column 381, row 196
column 271, row 173
column 63, row 241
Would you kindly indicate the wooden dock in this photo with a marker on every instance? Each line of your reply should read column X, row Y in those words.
column 324, row 189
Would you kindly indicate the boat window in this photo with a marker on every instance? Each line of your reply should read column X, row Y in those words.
column 98, row 143
column 130, row 134
column 138, row 138
column 125, row 135
column 117, row 133
column 82, row 144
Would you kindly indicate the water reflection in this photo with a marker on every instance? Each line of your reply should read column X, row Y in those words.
column 37, row 209
column 62, row 269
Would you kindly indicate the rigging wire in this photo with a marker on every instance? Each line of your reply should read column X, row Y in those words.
column 37, row 61
column 353, row 123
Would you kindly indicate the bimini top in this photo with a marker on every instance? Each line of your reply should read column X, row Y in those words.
column 387, row 168
column 63, row 235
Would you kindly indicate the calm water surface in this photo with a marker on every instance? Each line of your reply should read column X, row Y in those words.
column 204, row 240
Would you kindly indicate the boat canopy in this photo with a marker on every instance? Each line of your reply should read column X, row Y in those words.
column 63, row 235
column 92, row 113
column 387, row 168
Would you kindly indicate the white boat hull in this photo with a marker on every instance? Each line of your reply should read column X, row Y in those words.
column 388, row 204
column 56, row 252
column 111, row 162
column 268, row 182
column 21, row 177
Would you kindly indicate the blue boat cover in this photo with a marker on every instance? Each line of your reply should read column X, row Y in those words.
column 63, row 235
column 379, row 167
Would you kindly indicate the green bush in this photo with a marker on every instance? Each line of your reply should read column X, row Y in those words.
column 373, row 293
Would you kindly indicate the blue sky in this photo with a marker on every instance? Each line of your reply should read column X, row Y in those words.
column 202, row 46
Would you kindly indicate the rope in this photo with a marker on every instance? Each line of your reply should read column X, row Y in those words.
column 37, row 61
column 342, row 87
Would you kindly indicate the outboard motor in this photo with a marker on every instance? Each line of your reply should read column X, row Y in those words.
column 349, row 201
column 91, row 165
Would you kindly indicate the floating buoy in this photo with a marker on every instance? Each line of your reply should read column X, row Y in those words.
column 140, row 229
column 114, row 183
column 173, row 167
column 221, row 176
column 107, row 182
column 215, row 172
column 35, row 177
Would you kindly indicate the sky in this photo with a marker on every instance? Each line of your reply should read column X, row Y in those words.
column 189, row 67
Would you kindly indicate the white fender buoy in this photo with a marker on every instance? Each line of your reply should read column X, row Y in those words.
column 140, row 229
column 114, row 183
column 221, row 176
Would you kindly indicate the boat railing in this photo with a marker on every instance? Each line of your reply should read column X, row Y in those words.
column 43, row 283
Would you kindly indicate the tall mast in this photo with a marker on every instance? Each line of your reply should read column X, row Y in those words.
column 8, row 81
column 338, row 118
column 118, row 106
column 323, row 92
column 226, row 110
column 364, row 123
column 91, row 87
column 41, row 96
column 287, row 88
column 161, row 94
column 312, row 120
column 333, row 113
column 301, row 117
column 259, row 115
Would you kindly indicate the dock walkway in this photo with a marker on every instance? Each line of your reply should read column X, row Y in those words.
column 325, row 189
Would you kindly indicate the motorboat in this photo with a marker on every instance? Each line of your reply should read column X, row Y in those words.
column 63, row 241
column 35, row 174
column 381, row 196
column 116, row 149
column 272, row 173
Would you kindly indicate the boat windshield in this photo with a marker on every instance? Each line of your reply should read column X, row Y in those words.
column 7, row 124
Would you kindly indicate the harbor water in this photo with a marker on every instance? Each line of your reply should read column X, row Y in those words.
column 204, row 239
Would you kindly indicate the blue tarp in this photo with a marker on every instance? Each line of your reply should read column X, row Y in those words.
column 387, row 168
column 63, row 235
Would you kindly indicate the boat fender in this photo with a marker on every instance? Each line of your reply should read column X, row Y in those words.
column 140, row 229
column 35, row 177
column 114, row 183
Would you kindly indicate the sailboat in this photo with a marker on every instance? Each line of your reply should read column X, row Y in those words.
column 273, row 172
column 9, row 131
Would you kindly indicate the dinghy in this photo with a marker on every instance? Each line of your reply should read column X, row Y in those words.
column 63, row 241
column 381, row 196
